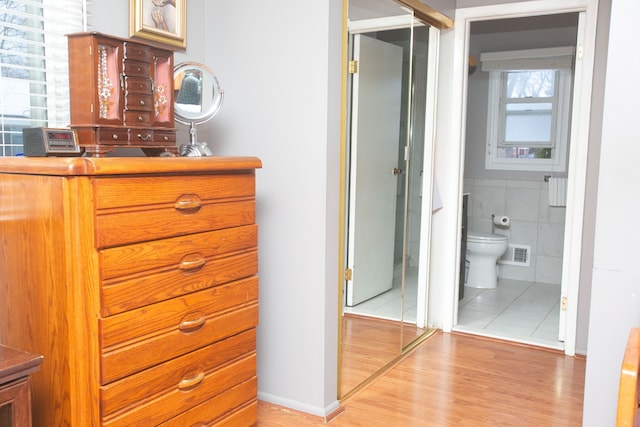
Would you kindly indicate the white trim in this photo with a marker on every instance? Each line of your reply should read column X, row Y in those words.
column 427, row 178
column 579, row 137
column 381, row 24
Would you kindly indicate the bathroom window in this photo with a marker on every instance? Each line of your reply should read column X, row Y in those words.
column 528, row 109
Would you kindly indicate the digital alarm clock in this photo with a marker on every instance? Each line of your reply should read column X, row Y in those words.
column 40, row 142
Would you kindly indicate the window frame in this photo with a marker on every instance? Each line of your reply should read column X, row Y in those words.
column 516, row 61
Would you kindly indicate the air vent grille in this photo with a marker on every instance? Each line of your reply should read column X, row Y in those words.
column 516, row 255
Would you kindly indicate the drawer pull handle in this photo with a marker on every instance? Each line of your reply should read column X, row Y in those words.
column 190, row 325
column 191, row 264
column 114, row 136
column 142, row 102
column 144, row 137
column 188, row 203
column 192, row 382
column 140, row 118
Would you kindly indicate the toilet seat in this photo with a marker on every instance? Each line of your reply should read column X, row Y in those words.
column 486, row 238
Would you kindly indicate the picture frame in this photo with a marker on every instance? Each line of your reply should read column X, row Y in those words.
column 160, row 21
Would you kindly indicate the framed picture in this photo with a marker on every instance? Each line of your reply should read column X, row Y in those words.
column 161, row 21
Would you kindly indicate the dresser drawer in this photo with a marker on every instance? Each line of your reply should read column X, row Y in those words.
column 140, row 274
column 157, row 395
column 141, row 291
column 241, row 397
column 138, row 356
column 131, row 210
column 245, row 416
column 187, row 314
column 113, row 193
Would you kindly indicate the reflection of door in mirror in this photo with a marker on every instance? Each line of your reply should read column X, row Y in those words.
column 387, row 162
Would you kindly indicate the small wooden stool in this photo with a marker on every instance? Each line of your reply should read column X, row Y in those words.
column 15, row 390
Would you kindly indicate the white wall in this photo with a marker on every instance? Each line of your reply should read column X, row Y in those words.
column 615, row 302
column 280, row 70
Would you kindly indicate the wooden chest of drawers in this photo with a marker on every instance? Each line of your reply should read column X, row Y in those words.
column 137, row 280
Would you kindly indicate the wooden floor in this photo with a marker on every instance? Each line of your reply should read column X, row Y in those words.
column 462, row 380
column 368, row 344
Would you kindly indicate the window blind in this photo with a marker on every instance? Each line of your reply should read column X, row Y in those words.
column 554, row 58
column 34, row 81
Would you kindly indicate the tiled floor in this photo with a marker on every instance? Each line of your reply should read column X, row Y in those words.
column 389, row 304
column 520, row 311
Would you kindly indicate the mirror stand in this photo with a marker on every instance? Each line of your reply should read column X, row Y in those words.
column 198, row 98
column 194, row 148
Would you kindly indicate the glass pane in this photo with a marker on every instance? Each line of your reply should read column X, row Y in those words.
column 530, row 122
column 530, row 84
column 524, row 153
column 108, row 81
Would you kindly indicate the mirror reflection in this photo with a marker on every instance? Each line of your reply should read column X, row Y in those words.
column 384, row 304
column 189, row 88
column 198, row 97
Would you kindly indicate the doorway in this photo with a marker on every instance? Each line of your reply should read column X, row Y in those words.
column 526, row 305
column 572, row 237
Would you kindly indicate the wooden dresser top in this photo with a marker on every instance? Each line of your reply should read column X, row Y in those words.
column 78, row 166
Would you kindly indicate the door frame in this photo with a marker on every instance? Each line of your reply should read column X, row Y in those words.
column 579, row 140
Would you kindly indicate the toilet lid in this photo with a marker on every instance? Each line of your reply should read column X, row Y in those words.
column 485, row 237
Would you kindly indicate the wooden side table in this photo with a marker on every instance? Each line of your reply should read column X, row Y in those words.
column 15, row 390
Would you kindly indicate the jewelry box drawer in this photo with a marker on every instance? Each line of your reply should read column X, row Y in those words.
column 136, row 275
column 138, row 102
column 137, row 118
column 137, row 356
column 136, row 68
column 137, row 52
column 112, row 135
column 157, row 394
column 137, row 85
column 162, row 137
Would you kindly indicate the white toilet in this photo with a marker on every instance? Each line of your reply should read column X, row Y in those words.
column 483, row 251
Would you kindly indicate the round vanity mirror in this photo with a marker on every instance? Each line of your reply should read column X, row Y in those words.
column 198, row 97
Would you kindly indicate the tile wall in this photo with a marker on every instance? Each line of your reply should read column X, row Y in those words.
column 533, row 223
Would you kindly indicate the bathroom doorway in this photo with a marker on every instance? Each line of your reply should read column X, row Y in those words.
column 571, row 236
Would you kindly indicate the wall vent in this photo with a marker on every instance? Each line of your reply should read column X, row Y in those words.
column 516, row 255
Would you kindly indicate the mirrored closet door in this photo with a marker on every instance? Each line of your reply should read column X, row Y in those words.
column 388, row 188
